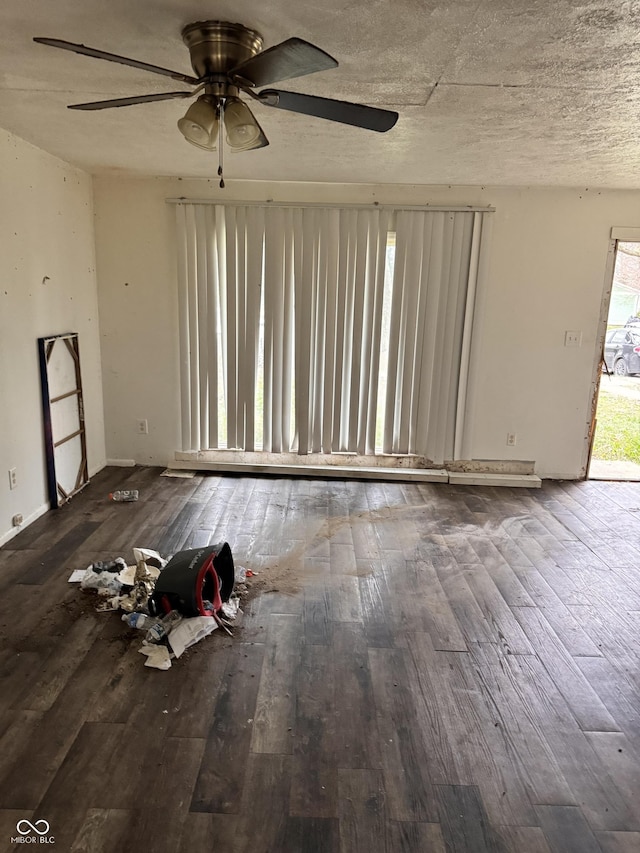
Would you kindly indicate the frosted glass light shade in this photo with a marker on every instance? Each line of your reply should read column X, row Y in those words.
column 243, row 131
column 199, row 126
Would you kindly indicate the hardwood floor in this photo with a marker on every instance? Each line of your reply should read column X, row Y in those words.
column 424, row 668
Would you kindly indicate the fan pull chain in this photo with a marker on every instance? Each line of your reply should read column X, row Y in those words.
column 221, row 146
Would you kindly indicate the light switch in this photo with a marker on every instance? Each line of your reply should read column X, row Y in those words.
column 573, row 339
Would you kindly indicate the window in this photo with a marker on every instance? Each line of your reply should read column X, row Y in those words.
column 324, row 330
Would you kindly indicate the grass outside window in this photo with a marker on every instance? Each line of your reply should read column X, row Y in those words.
column 618, row 428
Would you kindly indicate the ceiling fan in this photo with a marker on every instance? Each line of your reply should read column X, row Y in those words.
column 228, row 60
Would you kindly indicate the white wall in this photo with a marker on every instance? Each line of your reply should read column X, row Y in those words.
column 46, row 230
column 547, row 271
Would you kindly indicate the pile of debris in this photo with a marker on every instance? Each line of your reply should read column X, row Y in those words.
column 176, row 602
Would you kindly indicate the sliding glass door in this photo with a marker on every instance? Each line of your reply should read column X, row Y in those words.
column 324, row 330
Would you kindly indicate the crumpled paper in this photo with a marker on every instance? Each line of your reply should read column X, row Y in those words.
column 128, row 576
column 189, row 632
column 151, row 558
column 157, row 656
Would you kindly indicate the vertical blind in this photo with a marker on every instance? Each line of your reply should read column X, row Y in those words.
column 428, row 313
column 281, row 314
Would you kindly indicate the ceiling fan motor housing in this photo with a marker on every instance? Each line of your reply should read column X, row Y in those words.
column 215, row 47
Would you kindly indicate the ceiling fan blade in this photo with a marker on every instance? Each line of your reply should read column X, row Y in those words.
column 359, row 115
column 113, row 57
column 291, row 58
column 127, row 102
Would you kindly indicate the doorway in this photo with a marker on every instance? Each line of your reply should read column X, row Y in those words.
column 615, row 451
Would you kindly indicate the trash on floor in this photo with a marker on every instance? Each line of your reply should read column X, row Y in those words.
column 157, row 656
column 151, row 558
column 189, row 632
column 161, row 627
column 124, row 495
column 230, row 608
column 176, row 602
column 192, row 578
column 76, row 575
column 137, row 620
column 101, row 580
column 141, row 579
column 108, row 604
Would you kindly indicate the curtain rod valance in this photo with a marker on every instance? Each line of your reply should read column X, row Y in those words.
column 439, row 208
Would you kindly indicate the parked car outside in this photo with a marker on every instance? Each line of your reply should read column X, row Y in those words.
column 622, row 351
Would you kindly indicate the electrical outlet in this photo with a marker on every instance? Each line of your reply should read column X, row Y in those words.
column 573, row 339
column 143, row 427
column 17, row 519
column 13, row 478
column 511, row 439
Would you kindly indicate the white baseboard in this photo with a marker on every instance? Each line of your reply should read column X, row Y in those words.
column 423, row 475
column 232, row 463
column 121, row 463
column 6, row 537
column 526, row 481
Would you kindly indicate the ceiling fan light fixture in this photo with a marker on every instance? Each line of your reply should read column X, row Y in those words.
column 199, row 125
column 243, row 131
column 227, row 60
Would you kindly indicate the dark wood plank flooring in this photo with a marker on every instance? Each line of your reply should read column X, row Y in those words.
column 421, row 669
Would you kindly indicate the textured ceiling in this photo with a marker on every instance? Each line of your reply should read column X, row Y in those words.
column 501, row 92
